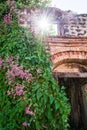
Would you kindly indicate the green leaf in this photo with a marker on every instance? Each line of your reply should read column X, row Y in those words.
column 51, row 99
column 57, row 105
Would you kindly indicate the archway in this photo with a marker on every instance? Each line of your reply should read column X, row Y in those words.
column 69, row 58
column 72, row 73
column 75, row 92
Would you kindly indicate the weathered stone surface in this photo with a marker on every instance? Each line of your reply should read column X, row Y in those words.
column 66, row 20
column 69, row 20
column 69, row 56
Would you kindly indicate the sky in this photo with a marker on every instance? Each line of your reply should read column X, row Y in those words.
column 77, row 6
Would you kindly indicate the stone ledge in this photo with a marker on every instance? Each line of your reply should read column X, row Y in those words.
column 70, row 75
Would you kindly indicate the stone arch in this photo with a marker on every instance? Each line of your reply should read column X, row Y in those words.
column 74, row 60
column 68, row 55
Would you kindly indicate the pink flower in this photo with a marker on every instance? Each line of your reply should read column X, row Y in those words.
column 27, row 111
column 24, row 124
column 10, row 59
column 17, row 87
column 8, row 18
column 28, row 76
column 19, row 92
column 1, row 62
column 9, row 92
column 21, row 74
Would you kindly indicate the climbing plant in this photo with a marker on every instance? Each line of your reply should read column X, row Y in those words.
column 30, row 98
column 29, row 3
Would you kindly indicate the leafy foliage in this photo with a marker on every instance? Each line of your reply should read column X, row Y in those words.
column 29, row 3
column 29, row 95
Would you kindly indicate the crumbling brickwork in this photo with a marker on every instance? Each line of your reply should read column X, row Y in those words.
column 76, row 26
column 68, row 24
column 69, row 56
column 69, row 48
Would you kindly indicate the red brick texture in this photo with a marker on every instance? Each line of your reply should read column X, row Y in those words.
column 68, row 52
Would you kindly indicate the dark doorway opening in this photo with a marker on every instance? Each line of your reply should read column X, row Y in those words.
column 76, row 91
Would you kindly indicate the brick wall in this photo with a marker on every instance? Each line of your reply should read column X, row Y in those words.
column 68, row 55
column 77, row 26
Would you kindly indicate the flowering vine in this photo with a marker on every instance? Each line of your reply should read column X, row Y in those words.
column 17, row 77
column 8, row 18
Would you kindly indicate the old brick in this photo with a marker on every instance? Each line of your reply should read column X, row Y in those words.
column 85, row 31
column 82, row 23
column 78, row 30
column 73, row 32
column 83, row 26
column 84, row 19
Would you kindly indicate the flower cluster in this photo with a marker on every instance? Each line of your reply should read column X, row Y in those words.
column 27, row 111
column 16, row 76
column 13, row 7
column 8, row 18
column 16, row 71
column 1, row 62
column 18, row 90
column 25, row 124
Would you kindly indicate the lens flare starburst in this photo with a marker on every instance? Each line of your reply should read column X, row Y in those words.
column 44, row 24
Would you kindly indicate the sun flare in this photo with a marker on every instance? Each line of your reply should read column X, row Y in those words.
column 44, row 24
